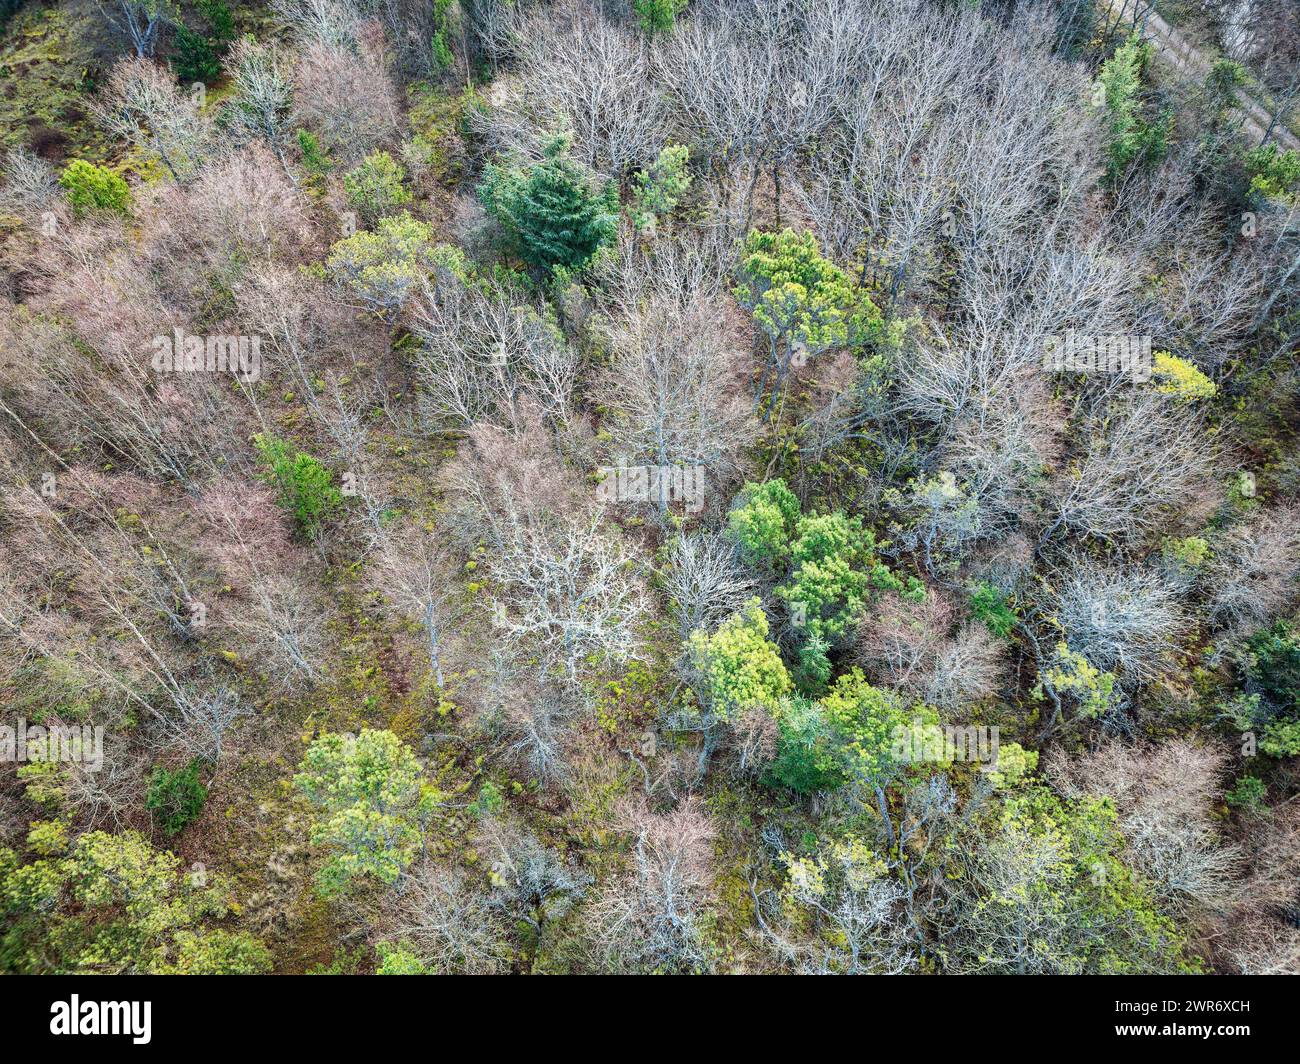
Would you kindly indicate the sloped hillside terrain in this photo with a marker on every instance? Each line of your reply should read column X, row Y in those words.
column 727, row 486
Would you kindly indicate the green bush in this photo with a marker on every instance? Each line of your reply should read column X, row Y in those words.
column 763, row 522
column 490, row 801
column 990, row 607
column 221, row 22
column 1273, row 174
column 1249, row 792
column 314, row 157
column 1275, row 663
column 177, row 797
column 398, row 960
column 90, row 187
column 382, row 268
column 371, row 805
column 831, row 566
column 1135, row 137
column 658, row 16
column 661, row 186
column 374, row 187
column 196, row 58
column 807, row 754
column 115, row 905
column 739, row 667
column 1281, row 738
column 305, row 486
column 199, row 54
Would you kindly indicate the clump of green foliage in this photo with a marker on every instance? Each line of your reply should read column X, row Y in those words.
column 1249, row 792
column 1276, row 663
column 1135, row 137
column 798, row 296
column 1273, row 173
column 439, row 49
column 198, row 54
column 375, row 186
column 556, row 216
column 1013, row 764
column 1189, row 552
column 306, row 487
column 382, row 268
column 490, row 800
column 661, row 186
column 805, row 305
column 371, row 805
column 89, row 187
column 807, row 753
column 1270, row 705
column 830, row 564
column 740, row 666
column 1073, row 675
column 177, row 796
column 399, row 960
column 315, row 159
column 116, row 905
column 988, row 604
column 763, row 523
column 1180, row 378
column 855, row 732
column 658, row 16
column 47, row 837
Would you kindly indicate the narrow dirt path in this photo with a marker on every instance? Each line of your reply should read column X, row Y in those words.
column 1176, row 50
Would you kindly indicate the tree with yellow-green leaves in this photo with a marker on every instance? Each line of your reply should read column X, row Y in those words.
column 738, row 665
column 384, row 268
column 830, row 566
column 376, row 186
column 1071, row 674
column 115, row 905
column 371, row 806
column 94, row 188
column 1177, row 377
column 803, row 303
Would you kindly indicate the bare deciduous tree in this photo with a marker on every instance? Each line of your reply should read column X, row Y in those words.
column 1124, row 620
column 264, row 106
column 579, row 71
column 1140, row 462
column 346, row 93
column 704, row 581
column 450, row 922
column 143, row 104
column 670, row 392
column 485, row 357
column 1165, row 796
column 649, row 918
column 532, row 884
column 1252, row 573
column 414, row 568
column 30, row 185
column 910, row 646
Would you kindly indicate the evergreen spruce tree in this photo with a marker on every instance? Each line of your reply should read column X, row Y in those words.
column 551, row 210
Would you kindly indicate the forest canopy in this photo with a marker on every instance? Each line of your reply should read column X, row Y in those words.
column 578, row 486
